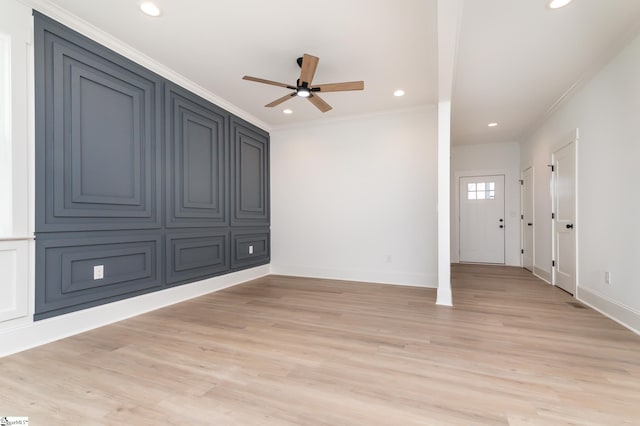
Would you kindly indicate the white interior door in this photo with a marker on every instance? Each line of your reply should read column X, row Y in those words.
column 527, row 218
column 482, row 221
column 564, row 197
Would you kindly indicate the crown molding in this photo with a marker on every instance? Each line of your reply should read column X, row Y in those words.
column 96, row 34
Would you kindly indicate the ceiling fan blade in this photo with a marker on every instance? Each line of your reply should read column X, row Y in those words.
column 262, row 80
column 339, row 87
column 319, row 103
column 280, row 100
column 309, row 65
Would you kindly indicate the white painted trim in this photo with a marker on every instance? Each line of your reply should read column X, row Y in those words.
column 449, row 23
column 40, row 332
column 572, row 137
column 618, row 312
column 533, row 215
column 18, row 238
column 85, row 28
column 360, row 275
column 444, row 205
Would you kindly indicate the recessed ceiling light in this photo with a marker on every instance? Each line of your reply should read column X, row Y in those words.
column 492, row 124
column 150, row 9
column 288, row 111
column 557, row 4
column 398, row 92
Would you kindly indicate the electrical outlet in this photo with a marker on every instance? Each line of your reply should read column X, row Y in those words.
column 250, row 249
column 98, row 272
column 607, row 277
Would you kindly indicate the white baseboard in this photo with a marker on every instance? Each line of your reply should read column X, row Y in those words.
column 542, row 274
column 45, row 331
column 380, row 277
column 623, row 315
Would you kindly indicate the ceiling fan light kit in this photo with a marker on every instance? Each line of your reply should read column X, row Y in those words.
column 303, row 87
column 303, row 92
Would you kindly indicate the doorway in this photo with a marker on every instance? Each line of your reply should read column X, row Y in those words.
column 481, row 219
column 526, row 218
column 564, row 217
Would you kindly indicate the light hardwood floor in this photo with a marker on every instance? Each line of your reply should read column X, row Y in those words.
column 283, row 350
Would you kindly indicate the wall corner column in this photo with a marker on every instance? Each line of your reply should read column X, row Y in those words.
column 449, row 17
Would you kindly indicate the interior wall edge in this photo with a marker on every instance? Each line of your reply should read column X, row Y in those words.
column 49, row 330
column 355, row 275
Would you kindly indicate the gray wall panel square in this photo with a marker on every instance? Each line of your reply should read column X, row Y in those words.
column 250, row 247
column 97, row 126
column 131, row 263
column 196, row 254
column 249, row 175
column 196, row 160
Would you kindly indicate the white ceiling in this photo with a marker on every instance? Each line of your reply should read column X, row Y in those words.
column 388, row 44
column 515, row 58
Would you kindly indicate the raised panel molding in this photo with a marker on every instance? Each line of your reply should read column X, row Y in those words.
column 196, row 165
column 195, row 255
column 131, row 262
column 249, row 175
column 94, row 138
column 250, row 247
column 138, row 175
column 97, row 136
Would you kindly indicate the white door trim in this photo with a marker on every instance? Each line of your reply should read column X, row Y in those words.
column 455, row 225
column 533, row 216
column 572, row 137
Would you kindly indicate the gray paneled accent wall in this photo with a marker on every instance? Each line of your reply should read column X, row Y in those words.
column 136, row 175
column 249, row 170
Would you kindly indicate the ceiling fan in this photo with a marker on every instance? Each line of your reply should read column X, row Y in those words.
column 303, row 87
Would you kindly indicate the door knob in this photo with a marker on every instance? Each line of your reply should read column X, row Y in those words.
column 501, row 226
column 529, row 224
column 569, row 225
column 501, row 220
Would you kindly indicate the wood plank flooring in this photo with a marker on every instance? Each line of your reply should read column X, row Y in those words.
column 295, row 351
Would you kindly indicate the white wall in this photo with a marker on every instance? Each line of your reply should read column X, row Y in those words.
column 16, row 168
column 356, row 199
column 488, row 159
column 607, row 113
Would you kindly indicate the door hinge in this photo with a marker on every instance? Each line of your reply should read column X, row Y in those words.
column 521, row 251
column 553, row 263
column 521, row 182
column 553, row 215
column 522, row 216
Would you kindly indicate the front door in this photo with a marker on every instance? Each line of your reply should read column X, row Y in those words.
column 482, row 221
column 527, row 218
column 564, row 201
